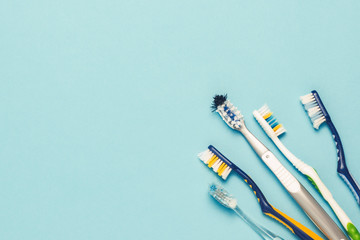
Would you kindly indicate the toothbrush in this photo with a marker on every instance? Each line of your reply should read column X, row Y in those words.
column 214, row 159
column 311, row 207
column 273, row 129
column 223, row 197
column 318, row 114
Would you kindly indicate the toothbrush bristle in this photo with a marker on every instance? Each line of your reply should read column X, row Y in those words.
column 216, row 163
column 222, row 196
column 271, row 120
column 229, row 113
column 314, row 111
column 218, row 101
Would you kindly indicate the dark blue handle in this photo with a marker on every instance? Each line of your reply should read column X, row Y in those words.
column 265, row 205
column 297, row 228
column 342, row 169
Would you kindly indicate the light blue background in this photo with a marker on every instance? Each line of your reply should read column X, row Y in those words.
column 105, row 105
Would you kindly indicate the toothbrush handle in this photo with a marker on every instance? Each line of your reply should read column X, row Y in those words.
column 317, row 214
column 295, row 227
column 262, row 231
column 314, row 178
column 342, row 169
column 310, row 206
column 350, row 228
column 351, row 183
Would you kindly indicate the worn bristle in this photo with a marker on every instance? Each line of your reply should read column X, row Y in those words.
column 313, row 110
column 218, row 101
column 214, row 162
column 229, row 113
column 271, row 120
column 222, row 196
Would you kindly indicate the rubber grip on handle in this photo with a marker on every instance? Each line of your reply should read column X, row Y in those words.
column 285, row 177
column 339, row 212
column 310, row 206
column 350, row 182
column 295, row 227
column 342, row 169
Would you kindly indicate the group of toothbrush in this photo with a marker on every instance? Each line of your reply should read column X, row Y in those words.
column 214, row 159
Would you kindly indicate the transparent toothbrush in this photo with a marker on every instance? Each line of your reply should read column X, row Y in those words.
column 223, row 197
column 263, row 232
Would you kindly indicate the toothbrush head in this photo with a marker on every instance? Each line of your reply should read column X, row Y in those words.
column 218, row 101
column 229, row 113
column 222, row 196
column 268, row 122
column 315, row 108
column 218, row 162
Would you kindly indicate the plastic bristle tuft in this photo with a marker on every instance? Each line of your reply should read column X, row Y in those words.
column 218, row 101
column 314, row 111
column 266, row 113
column 222, row 196
column 213, row 161
column 230, row 114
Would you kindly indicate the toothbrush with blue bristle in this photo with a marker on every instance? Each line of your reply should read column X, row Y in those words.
column 223, row 197
column 274, row 130
column 318, row 115
column 233, row 118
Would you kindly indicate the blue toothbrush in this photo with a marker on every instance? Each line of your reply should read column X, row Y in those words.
column 318, row 114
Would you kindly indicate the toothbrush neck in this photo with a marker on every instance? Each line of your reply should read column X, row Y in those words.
column 258, row 147
column 263, row 232
column 291, row 157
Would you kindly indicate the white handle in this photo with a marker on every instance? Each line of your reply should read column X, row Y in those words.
column 312, row 175
column 285, row 177
column 324, row 191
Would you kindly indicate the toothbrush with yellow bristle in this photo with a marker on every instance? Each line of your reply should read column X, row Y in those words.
column 214, row 159
column 273, row 129
column 235, row 120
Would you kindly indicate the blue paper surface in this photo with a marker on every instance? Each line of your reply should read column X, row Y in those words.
column 105, row 104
